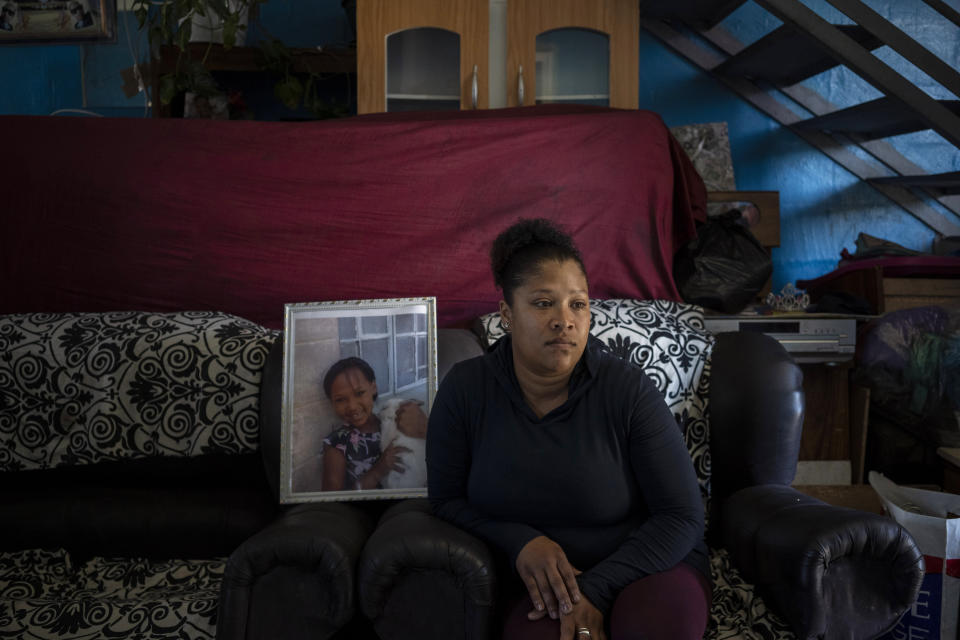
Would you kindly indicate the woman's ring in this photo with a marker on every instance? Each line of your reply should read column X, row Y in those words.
column 583, row 631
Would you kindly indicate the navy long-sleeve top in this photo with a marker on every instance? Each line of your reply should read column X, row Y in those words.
column 606, row 475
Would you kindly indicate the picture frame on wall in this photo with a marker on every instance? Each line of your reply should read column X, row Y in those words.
column 57, row 21
column 359, row 378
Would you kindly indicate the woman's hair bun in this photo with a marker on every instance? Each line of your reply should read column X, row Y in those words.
column 521, row 247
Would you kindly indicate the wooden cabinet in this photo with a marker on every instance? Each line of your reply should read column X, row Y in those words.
column 441, row 54
column 406, row 48
column 542, row 35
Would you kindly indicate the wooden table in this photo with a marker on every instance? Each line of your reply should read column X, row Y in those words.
column 852, row 496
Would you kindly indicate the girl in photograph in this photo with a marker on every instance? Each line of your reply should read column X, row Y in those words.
column 352, row 455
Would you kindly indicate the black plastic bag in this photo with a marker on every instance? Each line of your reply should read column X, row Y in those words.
column 724, row 267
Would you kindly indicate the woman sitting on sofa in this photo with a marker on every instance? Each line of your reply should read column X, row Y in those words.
column 569, row 463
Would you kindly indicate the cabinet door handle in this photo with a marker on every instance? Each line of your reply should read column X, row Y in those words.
column 474, row 90
column 520, row 87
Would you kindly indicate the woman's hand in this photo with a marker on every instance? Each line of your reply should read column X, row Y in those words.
column 584, row 616
column 550, row 579
column 411, row 420
column 388, row 461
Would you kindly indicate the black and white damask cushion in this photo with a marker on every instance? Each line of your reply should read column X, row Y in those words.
column 44, row 596
column 737, row 612
column 669, row 342
column 78, row 388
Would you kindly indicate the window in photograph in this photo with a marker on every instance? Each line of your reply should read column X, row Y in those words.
column 382, row 340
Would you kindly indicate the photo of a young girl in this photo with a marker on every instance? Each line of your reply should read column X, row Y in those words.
column 359, row 377
column 356, row 455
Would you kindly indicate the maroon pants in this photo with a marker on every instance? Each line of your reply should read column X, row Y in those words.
column 672, row 605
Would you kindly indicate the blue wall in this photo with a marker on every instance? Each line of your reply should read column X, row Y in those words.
column 38, row 80
column 822, row 206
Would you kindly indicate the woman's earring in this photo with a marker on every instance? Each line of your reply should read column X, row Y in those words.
column 506, row 325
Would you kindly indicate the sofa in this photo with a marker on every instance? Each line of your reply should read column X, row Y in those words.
column 141, row 464
column 139, row 450
column 784, row 565
column 130, row 468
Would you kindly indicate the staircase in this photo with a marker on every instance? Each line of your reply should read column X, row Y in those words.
column 771, row 73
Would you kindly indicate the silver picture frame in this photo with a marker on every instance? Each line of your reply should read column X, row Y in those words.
column 344, row 436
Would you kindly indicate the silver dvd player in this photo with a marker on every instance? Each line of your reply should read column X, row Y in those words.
column 807, row 339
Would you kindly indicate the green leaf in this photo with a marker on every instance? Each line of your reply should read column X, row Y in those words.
column 155, row 36
column 289, row 91
column 230, row 30
column 182, row 8
column 141, row 13
column 183, row 34
column 168, row 88
column 167, row 22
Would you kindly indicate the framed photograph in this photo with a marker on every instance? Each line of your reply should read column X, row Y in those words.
column 359, row 378
column 57, row 21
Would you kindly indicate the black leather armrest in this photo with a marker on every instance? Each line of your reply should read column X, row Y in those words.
column 421, row 577
column 830, row 572
column 295, row 578
column 756, row 413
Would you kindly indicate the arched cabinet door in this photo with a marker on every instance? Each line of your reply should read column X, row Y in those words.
column 422, row 54
column 573, row 51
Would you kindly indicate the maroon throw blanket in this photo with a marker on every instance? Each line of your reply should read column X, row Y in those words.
column 119, row 214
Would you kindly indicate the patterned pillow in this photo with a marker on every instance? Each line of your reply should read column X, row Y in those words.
column 669, row 342
column 737, row 611
column 78, row 388
column 44, row 596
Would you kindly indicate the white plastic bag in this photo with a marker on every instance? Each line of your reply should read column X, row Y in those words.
column 929, row 517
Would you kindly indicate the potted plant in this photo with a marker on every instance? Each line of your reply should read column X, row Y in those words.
column 174, row 21
column 180, row 22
